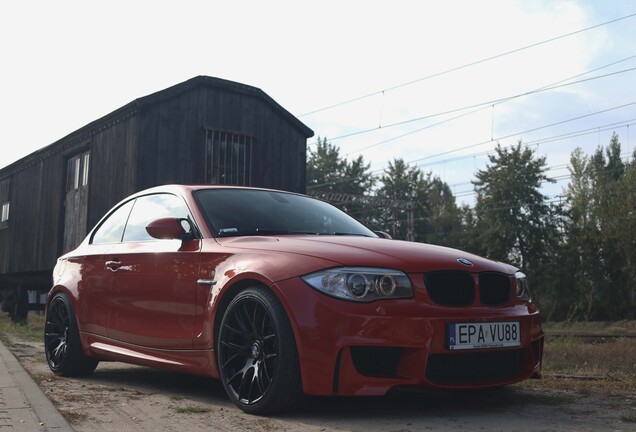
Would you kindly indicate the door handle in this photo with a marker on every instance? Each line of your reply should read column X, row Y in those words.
column 113, row 265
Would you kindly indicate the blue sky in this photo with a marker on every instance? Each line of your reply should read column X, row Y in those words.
column 67, row 63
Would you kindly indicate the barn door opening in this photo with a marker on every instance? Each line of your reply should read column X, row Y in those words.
column 76, row 200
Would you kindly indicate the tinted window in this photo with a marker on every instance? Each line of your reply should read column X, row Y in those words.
column 112, row 230
column 232, row 212
column 151, row 207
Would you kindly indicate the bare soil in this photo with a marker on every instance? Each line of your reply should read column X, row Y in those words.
column 120, row 397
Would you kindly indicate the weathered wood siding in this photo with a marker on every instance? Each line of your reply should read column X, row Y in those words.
column 157, row 139
column 113, row 173
column 172, row 137
column 30, row 238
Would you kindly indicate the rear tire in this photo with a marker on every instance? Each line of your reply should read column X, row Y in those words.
column 62, row 345
column 256, row 354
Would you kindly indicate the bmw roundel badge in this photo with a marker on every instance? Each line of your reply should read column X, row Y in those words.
column 465, row 262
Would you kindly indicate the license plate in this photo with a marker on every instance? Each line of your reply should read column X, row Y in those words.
column 484, row 335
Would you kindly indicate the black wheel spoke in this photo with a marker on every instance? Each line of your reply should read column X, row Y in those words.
column 250, row 320
column 237, row 332
column 56, row 330
column 247, row 354
column 256, row 353
column 261, row 381
column 62, row 343
column 230, row 360
column 234, row 346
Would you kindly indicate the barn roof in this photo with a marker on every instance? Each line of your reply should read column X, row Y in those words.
column 133, row 107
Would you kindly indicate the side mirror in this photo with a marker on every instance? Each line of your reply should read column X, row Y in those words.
column 167, row 229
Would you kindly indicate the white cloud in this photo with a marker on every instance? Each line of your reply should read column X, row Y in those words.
column 68, row 63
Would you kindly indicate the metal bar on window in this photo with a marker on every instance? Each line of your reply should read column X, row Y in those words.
column 250, row 165
column 228, row 157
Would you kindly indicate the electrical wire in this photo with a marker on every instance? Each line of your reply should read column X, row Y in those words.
column 526, row 131
column 454, row 69
column 553, row 86
column 537, row 142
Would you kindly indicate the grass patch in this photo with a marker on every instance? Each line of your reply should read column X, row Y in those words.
column 176, row 397
column 32, row 331
column 74, row 417
column 629, row 418
column 588, row 365
column 192, row 409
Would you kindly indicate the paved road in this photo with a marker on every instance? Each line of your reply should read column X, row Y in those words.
column 23, row 406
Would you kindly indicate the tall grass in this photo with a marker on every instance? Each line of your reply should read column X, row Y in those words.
column 32, row 331
column 589, row 364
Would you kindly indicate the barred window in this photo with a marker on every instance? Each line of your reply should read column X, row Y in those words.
column 77, row 172
column 5, row 204
column 228, row 158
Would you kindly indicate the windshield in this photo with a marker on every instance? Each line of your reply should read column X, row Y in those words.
column 241, row 212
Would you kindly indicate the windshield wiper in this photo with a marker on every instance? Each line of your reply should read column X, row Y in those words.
column 345, row 234
column 283, row 232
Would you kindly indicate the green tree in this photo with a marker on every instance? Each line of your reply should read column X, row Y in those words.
column 445, row 218
column 327, row 171
column 325, row 168
column 407, row 186
column 571, row 295
column 600, row 236
column 627, row 242
column 514, row 223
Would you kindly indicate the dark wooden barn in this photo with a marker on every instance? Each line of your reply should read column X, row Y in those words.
column 204, row 130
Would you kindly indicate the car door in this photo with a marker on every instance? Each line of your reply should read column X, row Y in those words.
column 89, row 259
column 152, row 284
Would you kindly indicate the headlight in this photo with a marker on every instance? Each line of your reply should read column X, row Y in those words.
column 523, row 289
column 361, row 284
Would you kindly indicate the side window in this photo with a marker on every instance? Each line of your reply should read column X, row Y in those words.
column 5, row 188
column 77, row 172
column 112, row 230
column 151, row 207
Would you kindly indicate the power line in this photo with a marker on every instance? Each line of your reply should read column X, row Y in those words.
column 526, row 131
column 547, row 140
column 482, row 105
column 454, row 69
column 572, row 134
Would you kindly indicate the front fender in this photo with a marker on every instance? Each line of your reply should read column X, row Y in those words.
column 242, row 270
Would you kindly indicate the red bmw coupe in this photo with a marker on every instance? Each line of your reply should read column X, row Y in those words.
column 278, row 294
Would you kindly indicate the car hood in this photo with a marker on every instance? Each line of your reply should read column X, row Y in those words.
column 409, row 257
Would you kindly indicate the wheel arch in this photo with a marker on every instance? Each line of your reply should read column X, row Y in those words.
column 230, row 292
column 57, row 289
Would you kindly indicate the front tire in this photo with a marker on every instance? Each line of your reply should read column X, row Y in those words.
column 256, row 353
column 62, row 344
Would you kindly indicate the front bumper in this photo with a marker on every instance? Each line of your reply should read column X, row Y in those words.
column 347, row 348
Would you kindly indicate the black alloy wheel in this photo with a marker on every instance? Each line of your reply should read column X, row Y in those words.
column 61, row 340
column 257, row 354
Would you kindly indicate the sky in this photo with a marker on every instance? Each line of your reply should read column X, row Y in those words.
column 436, row 83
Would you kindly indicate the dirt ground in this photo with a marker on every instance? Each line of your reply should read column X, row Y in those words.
column 120, row 397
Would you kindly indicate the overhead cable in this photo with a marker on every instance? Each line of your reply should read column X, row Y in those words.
column 456, row 68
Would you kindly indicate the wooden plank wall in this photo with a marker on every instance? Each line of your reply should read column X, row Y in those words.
column 35, row 236
column 172, row 139
column 30, row 242
column 113, row 174
column 169, row 141
column 145, row 144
